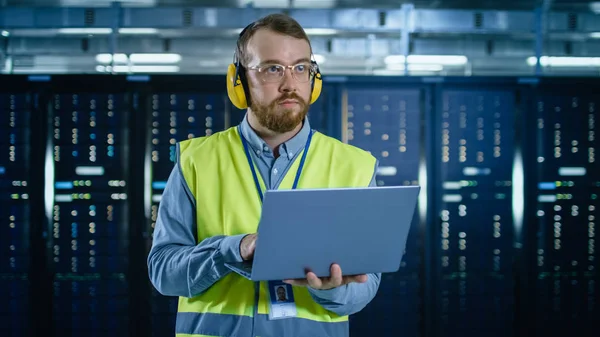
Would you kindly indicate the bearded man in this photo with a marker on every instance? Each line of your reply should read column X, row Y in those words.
column 210, row 208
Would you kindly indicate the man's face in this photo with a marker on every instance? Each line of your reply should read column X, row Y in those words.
column 281, row 293
column 279, row 105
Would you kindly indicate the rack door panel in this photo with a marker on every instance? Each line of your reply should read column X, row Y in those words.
column 15, row 252
column 568, row 191
column 89, row 225
column 474, row 235
column 386, row 122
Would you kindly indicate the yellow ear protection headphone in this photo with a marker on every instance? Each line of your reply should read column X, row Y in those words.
column 237, row 85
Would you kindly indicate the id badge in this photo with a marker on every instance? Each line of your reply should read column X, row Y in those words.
column 281, row 300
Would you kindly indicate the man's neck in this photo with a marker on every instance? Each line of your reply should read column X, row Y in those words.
column 273, row 139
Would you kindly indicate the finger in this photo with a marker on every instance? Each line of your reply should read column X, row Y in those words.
column 362, row 278
column 297, row 282
column 253, row 244
column 314, row 281
column 336, row 276
column 356, row 278
column 247, row 246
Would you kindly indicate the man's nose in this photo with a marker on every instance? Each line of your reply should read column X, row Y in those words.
column 288, row 82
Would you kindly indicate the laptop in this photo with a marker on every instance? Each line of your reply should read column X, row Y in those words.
column 364, row 230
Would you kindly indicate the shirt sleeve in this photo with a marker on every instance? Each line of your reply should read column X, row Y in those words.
column 350, row 298
column 177, row 264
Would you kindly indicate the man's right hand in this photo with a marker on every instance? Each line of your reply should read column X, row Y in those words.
column 247, row 247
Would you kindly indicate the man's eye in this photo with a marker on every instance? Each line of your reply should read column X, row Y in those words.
column 273, row 69
column 300, row 68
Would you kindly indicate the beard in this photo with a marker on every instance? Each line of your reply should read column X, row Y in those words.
column 278, row 119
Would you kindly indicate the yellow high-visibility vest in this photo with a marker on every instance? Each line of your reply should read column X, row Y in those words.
column 218, row 175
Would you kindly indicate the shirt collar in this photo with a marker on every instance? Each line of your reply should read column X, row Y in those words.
column 289, row 148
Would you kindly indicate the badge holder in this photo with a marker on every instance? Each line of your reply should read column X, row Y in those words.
column 281, row 300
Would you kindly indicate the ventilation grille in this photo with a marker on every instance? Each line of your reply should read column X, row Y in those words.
column 572, row 21
column 478, row 20
column 90, row 17
column 188, row 17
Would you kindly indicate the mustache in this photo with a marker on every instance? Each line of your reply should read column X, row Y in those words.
column 290, row 96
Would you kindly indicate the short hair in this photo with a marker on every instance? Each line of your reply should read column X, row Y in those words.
column 278, row 23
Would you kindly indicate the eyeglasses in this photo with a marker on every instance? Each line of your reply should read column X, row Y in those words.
column 302, row 72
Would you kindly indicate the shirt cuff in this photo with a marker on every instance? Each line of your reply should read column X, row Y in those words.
column 230, row 248
column 332, row 295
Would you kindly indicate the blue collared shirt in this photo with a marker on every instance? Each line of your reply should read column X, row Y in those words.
column 179, row 267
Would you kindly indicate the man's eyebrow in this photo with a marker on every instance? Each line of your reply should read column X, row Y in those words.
column 304, row 59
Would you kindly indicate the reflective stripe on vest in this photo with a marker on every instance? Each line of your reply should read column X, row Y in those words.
column 209, row 324
column 216, row 171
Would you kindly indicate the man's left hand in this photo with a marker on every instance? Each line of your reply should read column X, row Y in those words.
column 326, row 283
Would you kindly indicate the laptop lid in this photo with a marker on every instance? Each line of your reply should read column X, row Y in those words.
column 364, row 230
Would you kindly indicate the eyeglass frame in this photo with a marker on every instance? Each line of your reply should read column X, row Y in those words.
column 312, row 71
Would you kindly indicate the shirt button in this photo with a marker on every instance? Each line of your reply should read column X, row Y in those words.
column 275, row 171
column 290, row 155
column 257, row 152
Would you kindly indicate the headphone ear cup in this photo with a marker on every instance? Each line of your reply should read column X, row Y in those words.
column 316, row 87
column 235, row 89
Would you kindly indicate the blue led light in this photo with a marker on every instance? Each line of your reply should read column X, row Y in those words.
column 63, row 185
column 159, row 185
column 547, row 186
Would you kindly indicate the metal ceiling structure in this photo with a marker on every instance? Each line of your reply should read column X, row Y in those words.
column 447, row 37
column 380, row 4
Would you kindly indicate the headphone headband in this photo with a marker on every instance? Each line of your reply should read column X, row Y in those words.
column 236, row 58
